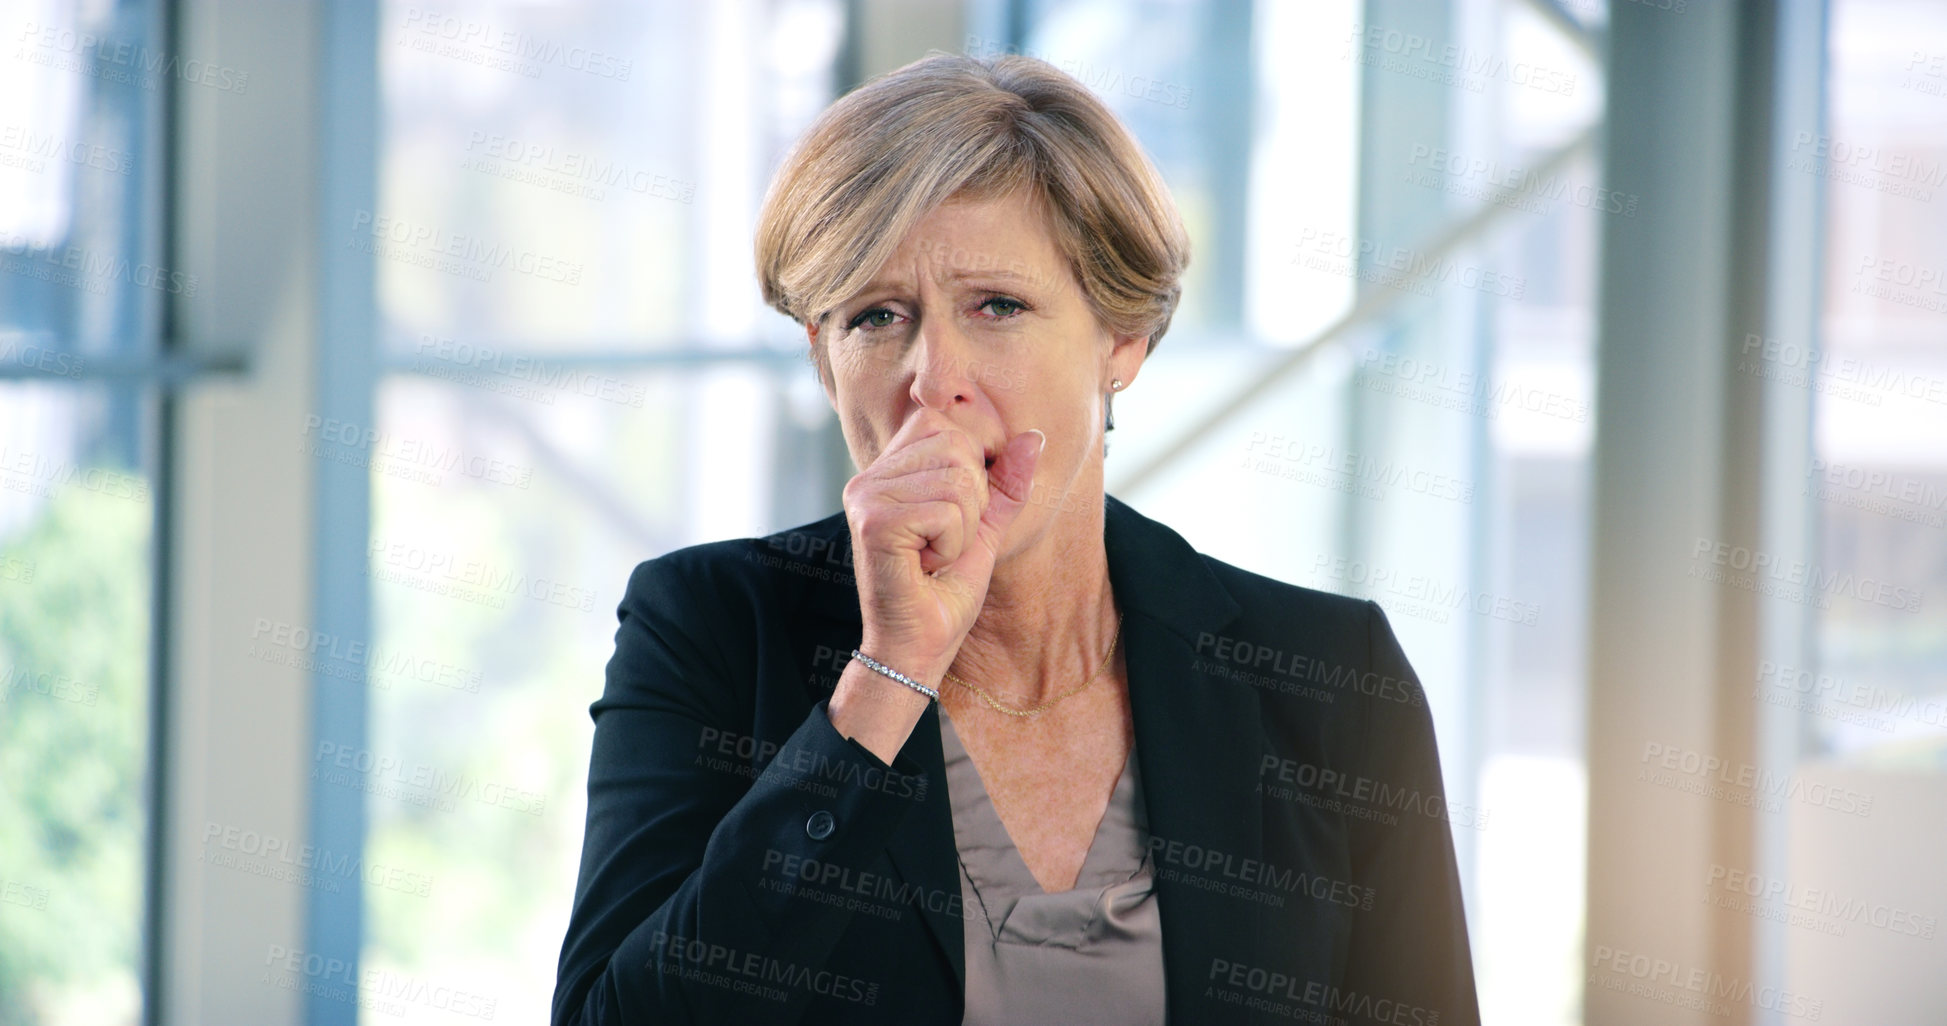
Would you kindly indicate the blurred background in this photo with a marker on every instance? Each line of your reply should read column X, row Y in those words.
column 352, row 352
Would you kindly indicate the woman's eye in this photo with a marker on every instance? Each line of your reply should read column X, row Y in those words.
column 1009, row 307
column 876, row 317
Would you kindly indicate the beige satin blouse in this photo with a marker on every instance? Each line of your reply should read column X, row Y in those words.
column 1093, row 954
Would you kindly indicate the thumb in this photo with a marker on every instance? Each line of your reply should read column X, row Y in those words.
column 1010, row 481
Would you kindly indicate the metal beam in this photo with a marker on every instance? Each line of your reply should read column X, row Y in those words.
column 1672, row 651
column 1371, row 306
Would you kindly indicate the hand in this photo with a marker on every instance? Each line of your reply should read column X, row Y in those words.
column 927, row 519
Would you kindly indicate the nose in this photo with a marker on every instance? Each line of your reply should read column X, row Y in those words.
column 941, row 366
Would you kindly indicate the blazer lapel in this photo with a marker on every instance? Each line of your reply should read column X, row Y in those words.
column 926, row 855
column 1196, row 743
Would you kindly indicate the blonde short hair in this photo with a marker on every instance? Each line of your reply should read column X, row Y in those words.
column 945, row 127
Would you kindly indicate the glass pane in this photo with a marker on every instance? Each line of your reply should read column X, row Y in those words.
column 74, row 634
column 1143, row 58
column 1435, row 459
column 78, row 276
column 515, row 482
column 578, row 176
column 1871, row 691
column 79, row 286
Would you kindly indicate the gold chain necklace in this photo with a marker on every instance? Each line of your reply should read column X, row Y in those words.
column 1031, row 713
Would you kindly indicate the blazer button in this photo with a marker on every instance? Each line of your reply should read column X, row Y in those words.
column 820, row 825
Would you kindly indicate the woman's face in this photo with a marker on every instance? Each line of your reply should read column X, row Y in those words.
column 977, row 315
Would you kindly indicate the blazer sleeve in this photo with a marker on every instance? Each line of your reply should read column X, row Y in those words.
column 1411, row 947
column 679, row 913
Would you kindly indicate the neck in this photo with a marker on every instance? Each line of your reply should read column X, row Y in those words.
column 1049, row 615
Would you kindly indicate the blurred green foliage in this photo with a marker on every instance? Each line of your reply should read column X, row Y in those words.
column 73, row 672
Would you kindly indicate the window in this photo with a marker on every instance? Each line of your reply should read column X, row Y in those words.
column 579, row 375
column 81, row 288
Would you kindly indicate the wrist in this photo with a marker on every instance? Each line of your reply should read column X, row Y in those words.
column 875, row 711
column 927, row 667
column 905, row 680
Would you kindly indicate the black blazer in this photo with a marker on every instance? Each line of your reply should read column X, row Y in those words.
column 744, row 863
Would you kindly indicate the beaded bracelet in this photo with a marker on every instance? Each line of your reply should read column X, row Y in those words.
column 880, row 668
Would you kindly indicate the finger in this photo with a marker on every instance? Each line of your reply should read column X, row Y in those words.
column 933, row 459
column 920, row 425
column 1011, row 480
column 908, row 532
column 947, row 466
column 946, row 536
column 963, row 486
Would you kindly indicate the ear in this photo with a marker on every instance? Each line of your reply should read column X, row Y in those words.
column 821, row 362
column 1126, row 358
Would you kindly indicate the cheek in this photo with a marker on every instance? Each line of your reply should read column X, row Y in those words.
column 861, row 440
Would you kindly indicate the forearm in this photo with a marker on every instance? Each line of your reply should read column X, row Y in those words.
column 725, row 945
column 877, row 711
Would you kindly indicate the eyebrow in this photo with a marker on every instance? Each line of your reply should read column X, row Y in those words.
column 1002, row 273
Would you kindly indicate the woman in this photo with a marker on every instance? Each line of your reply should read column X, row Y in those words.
column 991, row 747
